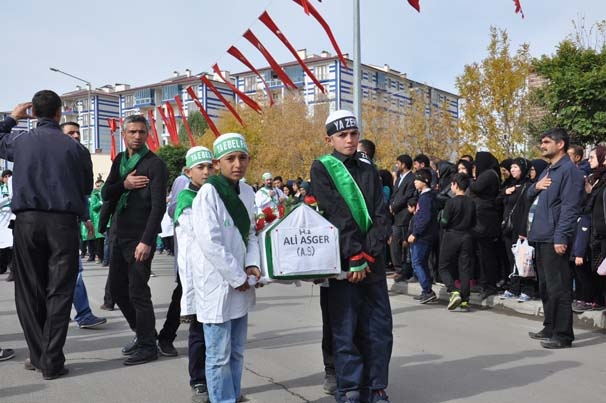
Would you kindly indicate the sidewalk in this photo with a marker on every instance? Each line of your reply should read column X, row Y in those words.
column 591, row 319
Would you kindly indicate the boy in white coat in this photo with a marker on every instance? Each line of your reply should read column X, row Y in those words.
column 198, row 168
column 224, row 211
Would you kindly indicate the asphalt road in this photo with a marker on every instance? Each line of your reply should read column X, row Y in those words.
column 439, row 356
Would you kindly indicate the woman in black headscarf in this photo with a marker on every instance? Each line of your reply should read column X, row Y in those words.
column 484, row 192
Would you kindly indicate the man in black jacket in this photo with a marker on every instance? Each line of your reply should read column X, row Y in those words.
column 135, row 190
column 404, row 189
column 53, row 175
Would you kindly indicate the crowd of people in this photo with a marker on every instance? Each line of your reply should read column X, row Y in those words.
column 463, row 224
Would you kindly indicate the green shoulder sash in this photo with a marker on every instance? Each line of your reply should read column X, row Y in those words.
column 233, row 204
column 185, row 199
column 127, row 165
column 349, row 190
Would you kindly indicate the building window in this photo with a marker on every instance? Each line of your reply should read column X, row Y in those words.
column 144, row 97
column 250, row 84
column 129, row 101
column 170, row 91
column 321, row 72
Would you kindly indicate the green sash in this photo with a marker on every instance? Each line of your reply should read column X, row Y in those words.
column 127, row 165
column 234, row 205
column 184, row 200
column 349, row 190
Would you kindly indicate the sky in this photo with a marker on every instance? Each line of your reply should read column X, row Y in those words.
column 140, row 42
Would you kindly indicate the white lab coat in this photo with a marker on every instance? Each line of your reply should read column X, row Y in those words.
column 188, row 255
column 224, row 257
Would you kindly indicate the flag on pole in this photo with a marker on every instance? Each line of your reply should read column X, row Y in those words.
column 245, row 98
column 518, row 7
column 112, row 129
column 235, row 52
column 269, row 23
column 415, row 4
column 170, row 113
column 225, row 102
column 211, row 124
column 155, row 139
column 185, row 122
column 272, row 62
column 326, row 27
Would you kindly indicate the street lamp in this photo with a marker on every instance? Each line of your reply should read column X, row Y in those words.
column 91, row 126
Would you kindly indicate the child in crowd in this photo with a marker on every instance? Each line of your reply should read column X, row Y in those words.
column 198, row 168
column 424, row 233
column 224, row 210
column 456, row 248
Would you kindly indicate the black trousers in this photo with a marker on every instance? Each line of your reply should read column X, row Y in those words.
column 173, row 315
column 555, row 286
column 327, row 354
column 197, row 353
column 456, row 260
column 45, row 269
column 6, row 256
column 487, row 263
column 129, row 289
column 361, row 323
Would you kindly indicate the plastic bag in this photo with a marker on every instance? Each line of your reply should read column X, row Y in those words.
column 524, row 258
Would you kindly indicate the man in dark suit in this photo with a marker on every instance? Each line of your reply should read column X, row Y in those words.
column 404, row 189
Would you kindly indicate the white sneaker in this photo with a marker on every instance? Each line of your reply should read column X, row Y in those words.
column 523, row 298
column 507, row 295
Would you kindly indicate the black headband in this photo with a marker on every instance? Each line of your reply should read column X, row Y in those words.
column 344, row 123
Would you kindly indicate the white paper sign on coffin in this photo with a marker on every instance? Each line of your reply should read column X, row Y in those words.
column 302, row 245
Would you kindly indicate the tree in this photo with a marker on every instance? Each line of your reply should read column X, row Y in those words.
column 574, row 90
column 496, row 98
column 198, row 126
column 174, row 158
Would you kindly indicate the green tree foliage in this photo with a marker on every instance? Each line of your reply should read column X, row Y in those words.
column 174, row 158
column 574, row 92
column 198, row 126
column 495, row 107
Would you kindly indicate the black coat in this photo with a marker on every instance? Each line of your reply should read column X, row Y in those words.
column 399, row 199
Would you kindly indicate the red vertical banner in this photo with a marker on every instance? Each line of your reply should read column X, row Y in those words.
column 415, row 4
column 245, row 98
column 112, row 129
column 211, row 124
column 326, row 27
column 170, row 113
column 185, row 122
column 518, row 7
column 168, row 125
column 275, row 66
column 235, row 52
column 269, row 23
column 225, row 102
column 154, row 132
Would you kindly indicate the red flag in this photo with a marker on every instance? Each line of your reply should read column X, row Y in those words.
column 415, row 4
column 112, row 129
column 269, row 23
column 225, row 102
column 174, row 136
column 518, row 7
column 305, row 4
column 245, row 98
column 210, row 122
column 326, row 27
column 185, row 122
column 272, row 62
column 155, row 140
column 238, row 55
column 167, row 124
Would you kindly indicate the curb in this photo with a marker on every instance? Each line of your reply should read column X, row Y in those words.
column 590, row 319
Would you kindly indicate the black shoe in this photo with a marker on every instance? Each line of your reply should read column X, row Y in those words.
column 50, row 375
column 330, row 384
column 142, row 356
column 167, row 349
column 6, row 354
column 555, row 344
column 199, row 393
column 417, row 297
column 107, row 307
column 428, row 297
column 131, row 347
column 542, row 335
